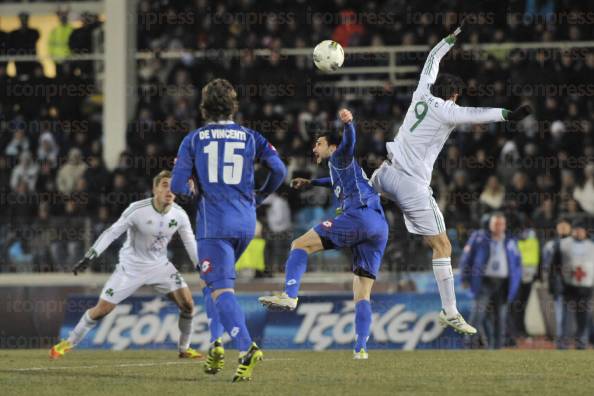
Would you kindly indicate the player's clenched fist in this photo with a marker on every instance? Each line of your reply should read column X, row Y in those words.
column 300, row 183
column 345, row 116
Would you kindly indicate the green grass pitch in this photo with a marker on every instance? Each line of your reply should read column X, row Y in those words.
column 130, row 373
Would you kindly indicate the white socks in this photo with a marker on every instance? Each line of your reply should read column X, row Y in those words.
column 185, row 330
column 84, row 325
column 442, row 269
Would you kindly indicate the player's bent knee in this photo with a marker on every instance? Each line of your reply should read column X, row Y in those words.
column 309, row 242
column 298, row 243
column 361, row 296
column 362, row 293
column 441, row 246
column 301, row 244
column 362, row 288
column 186, row 306
column 102, row 309
column 445, row 248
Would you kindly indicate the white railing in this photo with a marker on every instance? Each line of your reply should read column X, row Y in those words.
column 392, row 71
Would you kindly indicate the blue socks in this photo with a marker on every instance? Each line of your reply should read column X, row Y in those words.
column 233, row 320
column 362, row 324
column 294, row 269
column 214, row 321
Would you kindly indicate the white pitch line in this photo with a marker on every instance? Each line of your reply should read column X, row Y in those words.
column 97, row 366
column 118, row 365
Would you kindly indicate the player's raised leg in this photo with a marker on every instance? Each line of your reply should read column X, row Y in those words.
column 86, row 323
column 442, row 269
column 295, row 267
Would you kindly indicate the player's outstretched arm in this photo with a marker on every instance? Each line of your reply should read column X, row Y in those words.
column 322, row 182
column 431, row 66
column 300, row 183
column 104, row 240
column 457, row 115
column 346, row 150
column 182, row 169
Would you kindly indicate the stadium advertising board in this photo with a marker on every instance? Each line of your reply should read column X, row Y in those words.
column 403, row 321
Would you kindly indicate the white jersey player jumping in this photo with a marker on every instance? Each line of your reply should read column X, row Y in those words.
column 406, row 176
column 150, row 224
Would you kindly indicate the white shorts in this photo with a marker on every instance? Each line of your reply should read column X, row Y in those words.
column 122, row 283
column 421, row 213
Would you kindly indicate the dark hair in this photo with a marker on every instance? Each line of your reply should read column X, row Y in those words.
column 333, row 138
column 219, row 100
column 579, row 222
column 447, row 85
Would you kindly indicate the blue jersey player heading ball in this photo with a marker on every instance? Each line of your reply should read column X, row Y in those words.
column 361, row 226
column 221, row 156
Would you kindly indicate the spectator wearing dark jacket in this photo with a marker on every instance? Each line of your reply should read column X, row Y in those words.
column 23, row 41
column 548, row 272
column 492, row 266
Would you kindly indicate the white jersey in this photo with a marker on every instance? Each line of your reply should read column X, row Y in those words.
column 429, row 122
column 577, row 259
column 148, row 234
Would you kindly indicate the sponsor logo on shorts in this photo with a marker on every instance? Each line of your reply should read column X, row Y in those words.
column 205, row 266
column 109, row 292
column 337, row 191
column 327, row 223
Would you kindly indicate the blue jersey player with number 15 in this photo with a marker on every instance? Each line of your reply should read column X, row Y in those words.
column 222, row 154
column 361, row 226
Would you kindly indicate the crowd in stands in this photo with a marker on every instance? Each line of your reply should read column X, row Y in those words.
column 58, row 194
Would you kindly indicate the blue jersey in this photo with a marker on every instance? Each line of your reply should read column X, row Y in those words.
column 349, row 182
column 222, row 157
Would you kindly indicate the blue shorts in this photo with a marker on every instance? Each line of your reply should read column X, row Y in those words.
column 216, row 260
column 365, row 231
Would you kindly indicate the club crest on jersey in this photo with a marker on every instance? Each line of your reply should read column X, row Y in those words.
column 205, row 266
column 172, row 223
column 327, row 223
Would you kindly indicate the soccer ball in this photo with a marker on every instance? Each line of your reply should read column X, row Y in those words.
column 328, row 56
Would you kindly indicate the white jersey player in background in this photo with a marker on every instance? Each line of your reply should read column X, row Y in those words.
column 150, row 224
column 406, row 176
